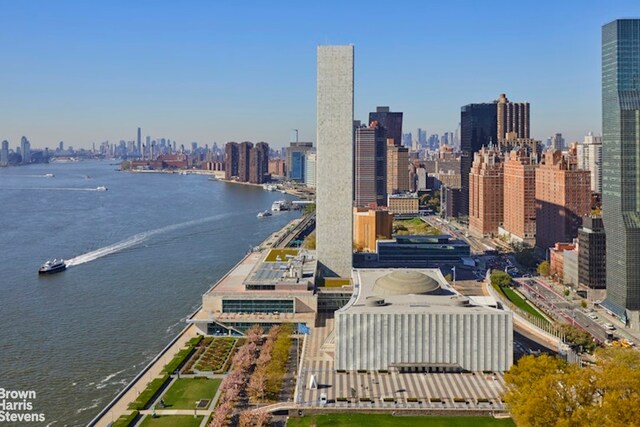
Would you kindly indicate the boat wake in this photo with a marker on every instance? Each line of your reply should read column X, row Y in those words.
column 136, row 240
column 51, row 189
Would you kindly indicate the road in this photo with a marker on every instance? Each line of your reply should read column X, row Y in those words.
column 558, row 307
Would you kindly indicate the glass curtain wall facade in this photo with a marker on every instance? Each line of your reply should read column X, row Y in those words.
column 478, row 127
column 621, row 166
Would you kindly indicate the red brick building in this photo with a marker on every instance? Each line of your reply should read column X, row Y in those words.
column 486, row 201
column 563, row 197
column 520, row 196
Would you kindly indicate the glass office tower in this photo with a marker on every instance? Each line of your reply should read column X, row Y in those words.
column 621, row 166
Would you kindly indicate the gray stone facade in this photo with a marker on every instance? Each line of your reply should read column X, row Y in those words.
column 334, row 167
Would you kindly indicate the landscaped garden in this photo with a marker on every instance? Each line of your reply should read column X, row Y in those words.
column 413, row 226
column 172, row 421
column 501, row 282
column 147, row 395
column 185, row 392
column 385, row 420
column 215, row 357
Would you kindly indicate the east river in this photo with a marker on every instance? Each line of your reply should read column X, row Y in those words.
column 142, row 253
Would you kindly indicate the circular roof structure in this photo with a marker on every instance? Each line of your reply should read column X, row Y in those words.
column 405, row 282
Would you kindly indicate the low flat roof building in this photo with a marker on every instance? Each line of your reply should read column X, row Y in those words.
column 420, row 250
column 412, row 320
column 262, row 289
column 405, row 203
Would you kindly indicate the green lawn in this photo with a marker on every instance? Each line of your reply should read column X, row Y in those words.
column 521, row 303
column 374, row 420
column 184, row 392
column 172, row 421
column 413, row 226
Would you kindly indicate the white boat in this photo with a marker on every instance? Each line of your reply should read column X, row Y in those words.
column 52, row 266
column 263, row 214
column 49, row 175
column 101, row 188
column 280, row 205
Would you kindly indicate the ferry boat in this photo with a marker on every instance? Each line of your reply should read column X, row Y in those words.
column 52, row 266
column 263, row 214
column 101, row 188
column 280, row 205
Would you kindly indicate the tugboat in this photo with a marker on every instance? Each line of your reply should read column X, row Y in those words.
column 52, row 266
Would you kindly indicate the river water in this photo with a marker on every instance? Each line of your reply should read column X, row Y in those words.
column 141, row 254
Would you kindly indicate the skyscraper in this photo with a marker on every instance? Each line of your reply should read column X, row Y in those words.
column 139, row 141
column 259, row 163
column 296, row 160
column 590, row 158
column 621, row 168
column 231, row 160
column 25, row 150
column 4, row 154
column 478, row 128
column 370, row 166
column 563, row 197
column 520, row 195
column 310, row 160
column 397, row 168
column 244, row 160
column 592, row 253
column 556, row 142
column 513, row 117
column 486, row 203
column 334, row 192
column 391, row 121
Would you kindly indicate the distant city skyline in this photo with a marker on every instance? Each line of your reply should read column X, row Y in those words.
column 85, row 73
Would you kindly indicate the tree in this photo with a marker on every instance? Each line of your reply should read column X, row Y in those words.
column 434, row 201
column 547, row 391
column 257, row 384
column 500, row 279
column 310, row 208
column 543, row 268
column 578, row 338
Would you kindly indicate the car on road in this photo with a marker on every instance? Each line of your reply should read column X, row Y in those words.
column 593, row 316
column 609, row 327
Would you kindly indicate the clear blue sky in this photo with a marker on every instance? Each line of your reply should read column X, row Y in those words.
column 83, row 71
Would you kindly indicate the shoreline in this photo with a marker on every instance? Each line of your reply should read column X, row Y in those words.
column 219, row 176
column 119, row 405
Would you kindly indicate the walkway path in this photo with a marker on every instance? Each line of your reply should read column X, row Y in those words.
column 121, row 407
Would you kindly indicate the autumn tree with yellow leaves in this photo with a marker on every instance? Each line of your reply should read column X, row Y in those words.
column 547, row 391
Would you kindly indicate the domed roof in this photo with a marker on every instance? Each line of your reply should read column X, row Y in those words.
column 405, row 282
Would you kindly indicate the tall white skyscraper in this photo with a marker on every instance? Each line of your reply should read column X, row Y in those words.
column 310, row 169
column 590, row 158
column 334, row 178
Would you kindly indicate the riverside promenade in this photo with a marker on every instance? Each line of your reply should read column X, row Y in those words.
column 120, row 404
